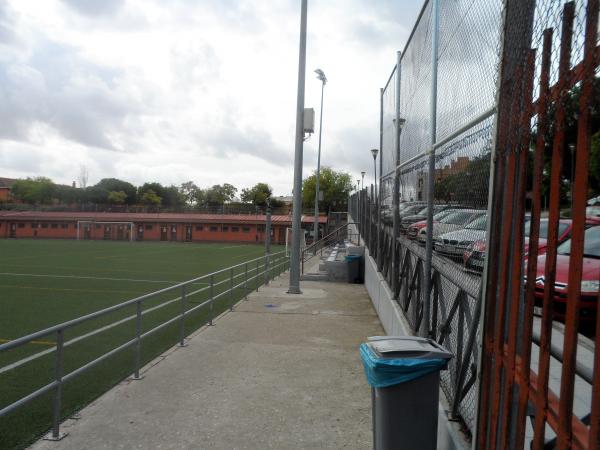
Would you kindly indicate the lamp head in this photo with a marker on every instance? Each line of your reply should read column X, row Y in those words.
column 374, row 152
column 401, row 122
column 321, row 75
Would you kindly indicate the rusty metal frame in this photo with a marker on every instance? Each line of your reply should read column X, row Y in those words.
column 511, row 390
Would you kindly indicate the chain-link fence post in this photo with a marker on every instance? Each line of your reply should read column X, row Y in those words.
column 396, row 195
column 379, row 231
column 431, row 176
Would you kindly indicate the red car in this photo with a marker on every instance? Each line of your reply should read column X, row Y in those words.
column 413, row 231
column 475, row 254
column 590, row 280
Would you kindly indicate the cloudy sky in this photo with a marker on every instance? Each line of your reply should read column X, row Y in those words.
column 201, row 90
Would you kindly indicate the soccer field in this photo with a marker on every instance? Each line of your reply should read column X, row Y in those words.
column 47, row 282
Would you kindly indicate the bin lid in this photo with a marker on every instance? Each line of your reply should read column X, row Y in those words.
column 393, row 347
column 352, row 257
column 392, row 360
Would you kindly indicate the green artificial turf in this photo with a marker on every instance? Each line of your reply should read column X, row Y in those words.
column 47, row 282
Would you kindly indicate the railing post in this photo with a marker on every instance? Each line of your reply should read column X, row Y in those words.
column 212, row 298
column 138, row 340
column 182, row 319
column 256, row 278
column 58, row 374
column 246, row 281
column 231, row 289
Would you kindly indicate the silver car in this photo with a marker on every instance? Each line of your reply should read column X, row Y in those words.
column 452, row 222
column 454, row 243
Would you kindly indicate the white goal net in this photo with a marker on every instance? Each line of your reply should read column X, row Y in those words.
column 110, row 231
column 288, row 240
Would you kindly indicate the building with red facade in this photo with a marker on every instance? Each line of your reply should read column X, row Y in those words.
column 147, row 226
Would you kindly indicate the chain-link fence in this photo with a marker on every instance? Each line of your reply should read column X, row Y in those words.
column 437, row 119
column 501, row 96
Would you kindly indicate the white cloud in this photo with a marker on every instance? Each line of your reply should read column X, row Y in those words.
column 189, row 90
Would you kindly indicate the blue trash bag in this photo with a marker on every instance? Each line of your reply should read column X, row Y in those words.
column 383, row 373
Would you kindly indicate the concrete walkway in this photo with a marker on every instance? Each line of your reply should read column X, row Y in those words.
column 280, row 372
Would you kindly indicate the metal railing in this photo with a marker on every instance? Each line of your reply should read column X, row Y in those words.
column 336, row 236
column 250, row 276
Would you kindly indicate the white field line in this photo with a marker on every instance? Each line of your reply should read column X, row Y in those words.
column 81, row 277
column 233, row 246
column 91, row 333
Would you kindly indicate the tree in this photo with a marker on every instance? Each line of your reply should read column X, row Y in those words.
column 83, row 176
column 40, row 190
column 150, row 198
column 117, row 197
column 220, row 194
column 257, row 195
column 102, row 189
column 336, row 186
column 189, row 192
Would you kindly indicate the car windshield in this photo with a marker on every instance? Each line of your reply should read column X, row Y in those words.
column 591, row 244
column 423, row 212
column 414, row 209
column 562, row 227
column 441, row 215
column 458, row 217
column 478, row 224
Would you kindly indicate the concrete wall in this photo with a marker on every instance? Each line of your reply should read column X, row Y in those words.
column 450, row 437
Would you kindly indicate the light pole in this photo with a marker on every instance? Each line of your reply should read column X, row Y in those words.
column 362, row 174
column 294, row 286
column 358, row 218
column 321, row 76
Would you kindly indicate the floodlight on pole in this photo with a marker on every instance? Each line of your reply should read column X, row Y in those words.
column 321, row 76
column 362, row 174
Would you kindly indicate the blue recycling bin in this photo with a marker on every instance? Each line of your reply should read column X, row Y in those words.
column 352, row 268
column 404, row 375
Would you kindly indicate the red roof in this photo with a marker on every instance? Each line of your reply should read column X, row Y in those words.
column 150, row 217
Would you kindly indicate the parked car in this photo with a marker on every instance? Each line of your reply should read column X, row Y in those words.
column 454, row 243
column 406, row 208
column 590, row 280
column 593, row 211
column 408, row 220
column 474, row 255
column 455, row 221
column 413, row 230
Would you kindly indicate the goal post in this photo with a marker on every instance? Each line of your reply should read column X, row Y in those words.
column 288, row 241
column 105, row 230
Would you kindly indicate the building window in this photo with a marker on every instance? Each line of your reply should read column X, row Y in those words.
column 34, row 225
column 54, row 225
column 213, row 228
column 98, row 226
column 260, row 228
column 148, row 227
column 199, row 228
column 64, row 225
column 235, row 229
column 21, row 225
column 44, row 225
column 246, row 229
column 225, row 228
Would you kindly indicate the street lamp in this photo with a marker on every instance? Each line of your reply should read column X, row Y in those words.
column 362, row 174
column 374, row 152
column 358, row 207
column 321, row 76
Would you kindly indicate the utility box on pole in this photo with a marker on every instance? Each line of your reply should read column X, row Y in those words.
column 309, row 120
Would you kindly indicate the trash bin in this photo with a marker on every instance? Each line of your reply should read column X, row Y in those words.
column 404, row 374
column 352, row 268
